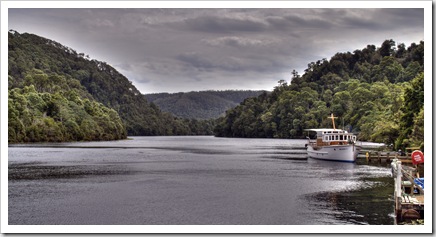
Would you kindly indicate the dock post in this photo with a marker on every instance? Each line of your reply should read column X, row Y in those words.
column 398, row 191
column 399, row 176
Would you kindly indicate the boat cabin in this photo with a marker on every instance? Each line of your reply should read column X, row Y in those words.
column 328, row 137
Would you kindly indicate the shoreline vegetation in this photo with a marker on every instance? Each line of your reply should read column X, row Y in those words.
column 59, row 95
column 377, row 93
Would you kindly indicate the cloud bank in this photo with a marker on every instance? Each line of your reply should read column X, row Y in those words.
column 171, row 50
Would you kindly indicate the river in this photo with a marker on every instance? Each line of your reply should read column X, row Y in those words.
column 198, row 180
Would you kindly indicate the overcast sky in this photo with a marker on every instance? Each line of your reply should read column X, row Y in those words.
column 172, row 50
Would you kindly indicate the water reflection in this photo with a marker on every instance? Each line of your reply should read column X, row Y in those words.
column 362, row 205
column 192, row 180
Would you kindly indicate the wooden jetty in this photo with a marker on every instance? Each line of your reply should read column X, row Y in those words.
column 408, row 194
column 388, row 156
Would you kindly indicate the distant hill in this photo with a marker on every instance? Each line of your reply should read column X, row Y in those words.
column 200, row 104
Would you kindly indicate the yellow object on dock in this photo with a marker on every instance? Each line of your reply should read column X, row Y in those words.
column 386, row 157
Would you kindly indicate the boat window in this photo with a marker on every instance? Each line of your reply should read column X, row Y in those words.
column 341, row 137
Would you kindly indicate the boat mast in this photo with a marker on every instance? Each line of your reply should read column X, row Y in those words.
column 333, row 121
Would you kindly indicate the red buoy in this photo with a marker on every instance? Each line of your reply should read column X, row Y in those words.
column 417, row 157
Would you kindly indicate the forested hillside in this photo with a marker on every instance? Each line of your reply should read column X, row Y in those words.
column 57, row 94
column 377, row 92
column 200, row 104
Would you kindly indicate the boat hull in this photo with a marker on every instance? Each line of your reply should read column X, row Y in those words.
column 343, row 153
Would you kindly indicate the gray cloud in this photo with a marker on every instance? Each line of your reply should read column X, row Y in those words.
column 217, row 24
column 193, row 49
column 235, row 41
column 303, row 22
column 209, row 63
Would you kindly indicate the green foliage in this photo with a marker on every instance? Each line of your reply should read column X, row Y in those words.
column 44, row 117
column 56, row 94
column 417, row 136
column 412, row 120
column 370, row 91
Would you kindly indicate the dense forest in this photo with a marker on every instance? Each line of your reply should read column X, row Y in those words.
column 57, row 94
column 376, row 92
column 200, row 104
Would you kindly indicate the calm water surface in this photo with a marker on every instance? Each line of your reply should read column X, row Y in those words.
column 192, row 180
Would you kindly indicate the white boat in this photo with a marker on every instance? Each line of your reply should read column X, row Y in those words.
column 333, row 144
